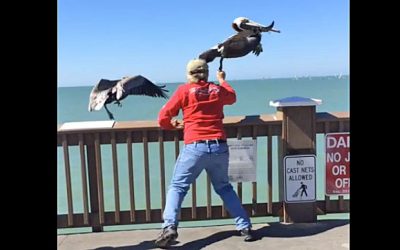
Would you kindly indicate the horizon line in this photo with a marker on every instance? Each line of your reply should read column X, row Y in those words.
column 238, row 79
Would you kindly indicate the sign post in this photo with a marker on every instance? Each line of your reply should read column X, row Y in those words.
column 297, row 140
column 337, row 146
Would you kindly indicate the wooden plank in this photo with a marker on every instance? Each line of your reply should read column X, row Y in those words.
column 93, row 186
column 254, row 183
column 239, row 184
column 99, row 178
column 341, row 203
column 223, row 211
column 146, row 175
column 115, row 175
column 68, row 180
column 327, row 198
column 269, row 170
column 84, row 180
column 194, row 200
column 131, row 177
column 251, row 120
column 209, row 213
column 162, row 169
column 230, row 125
column 176, row 139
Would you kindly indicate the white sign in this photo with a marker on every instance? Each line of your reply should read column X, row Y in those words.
column 299, row 178
column 242, row 160
column 87, row 125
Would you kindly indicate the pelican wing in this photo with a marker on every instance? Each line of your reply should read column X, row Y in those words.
column 106, row 84
column 97, row 100
column 237, row 41
column 139, row 85
column 99, row 94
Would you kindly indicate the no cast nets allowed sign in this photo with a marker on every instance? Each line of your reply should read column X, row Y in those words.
column 299, row 178
column 242, row 160
column 337, row 172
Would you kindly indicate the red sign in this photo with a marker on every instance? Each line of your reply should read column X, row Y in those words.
column 337, row 163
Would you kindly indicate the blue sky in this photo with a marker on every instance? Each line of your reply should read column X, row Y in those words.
column 155, row 38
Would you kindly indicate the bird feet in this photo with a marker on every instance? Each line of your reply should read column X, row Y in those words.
column 257, row 50
column 118, row 103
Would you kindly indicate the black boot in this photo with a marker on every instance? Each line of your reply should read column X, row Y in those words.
column 248, row 233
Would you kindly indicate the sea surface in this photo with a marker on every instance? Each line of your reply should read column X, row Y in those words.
column 253, row 97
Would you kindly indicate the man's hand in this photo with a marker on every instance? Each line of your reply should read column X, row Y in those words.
column 221, row 76
column 177, row 123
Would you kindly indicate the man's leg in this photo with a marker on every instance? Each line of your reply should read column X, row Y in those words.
column 186, row 171
column 218, row 172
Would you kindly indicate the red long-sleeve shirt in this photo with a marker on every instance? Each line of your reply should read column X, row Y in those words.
column 202, row 106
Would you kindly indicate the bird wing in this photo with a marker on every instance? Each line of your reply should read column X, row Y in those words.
column 210, row 55
column 106, row 84
column 97, row 100
column 99, row 94
column 236, row 45
column 139, row 85
column 238, row 40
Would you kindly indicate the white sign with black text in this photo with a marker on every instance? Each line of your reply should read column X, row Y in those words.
column 299, row 178
column 242, row 160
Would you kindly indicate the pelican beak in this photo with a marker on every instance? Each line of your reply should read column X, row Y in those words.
column 277, row 31
column 270, row 28
column 253, row 25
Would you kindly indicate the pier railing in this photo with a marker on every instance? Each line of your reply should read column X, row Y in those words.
column 89, row 143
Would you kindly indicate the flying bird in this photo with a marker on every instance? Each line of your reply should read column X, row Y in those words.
column 107, row 91
column 240, row 44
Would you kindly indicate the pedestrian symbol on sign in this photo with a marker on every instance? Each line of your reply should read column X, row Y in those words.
column 302, row 188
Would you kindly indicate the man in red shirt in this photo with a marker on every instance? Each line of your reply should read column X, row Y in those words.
column 205, row 147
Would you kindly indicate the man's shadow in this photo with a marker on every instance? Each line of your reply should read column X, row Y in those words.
column 279, row 230
column 193, row 245
column 275, row 229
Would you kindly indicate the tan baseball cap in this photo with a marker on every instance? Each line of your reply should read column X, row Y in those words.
column 197, row 69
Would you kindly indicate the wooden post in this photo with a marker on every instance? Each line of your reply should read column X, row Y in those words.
column 298, row 138
column 93, row 186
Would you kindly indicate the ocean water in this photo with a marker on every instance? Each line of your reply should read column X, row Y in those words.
column 253, row 98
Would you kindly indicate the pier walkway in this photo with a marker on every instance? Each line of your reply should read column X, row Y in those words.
column 328, row 234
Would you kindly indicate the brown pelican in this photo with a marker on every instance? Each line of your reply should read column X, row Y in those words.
column 107, row 91
column 247, row 39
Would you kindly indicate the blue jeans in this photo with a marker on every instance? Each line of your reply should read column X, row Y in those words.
column 195, row 157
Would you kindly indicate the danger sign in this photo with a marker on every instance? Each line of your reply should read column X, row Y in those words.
column 337, row 163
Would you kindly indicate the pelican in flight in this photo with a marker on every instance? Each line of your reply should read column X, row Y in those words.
column 240, row 44
column 107, row 91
